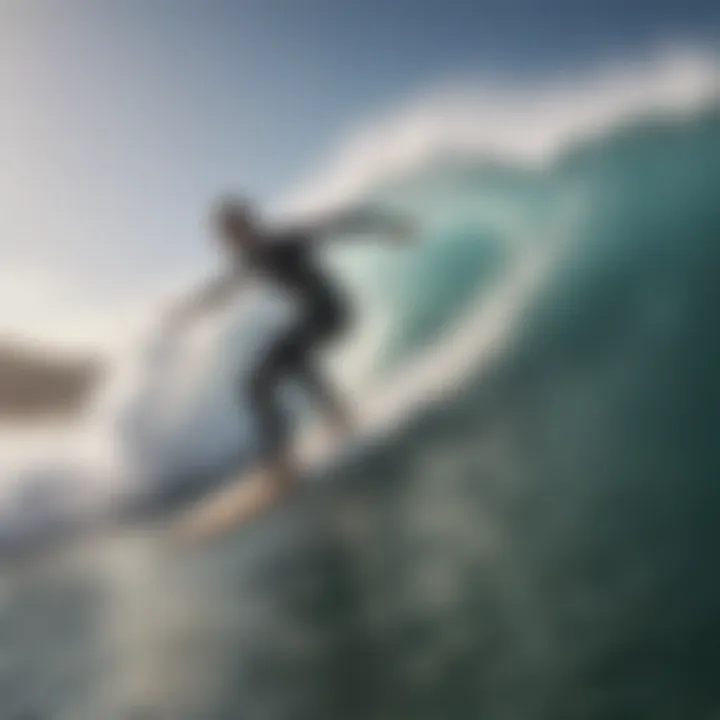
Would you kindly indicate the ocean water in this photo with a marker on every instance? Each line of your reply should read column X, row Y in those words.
column 535, row 540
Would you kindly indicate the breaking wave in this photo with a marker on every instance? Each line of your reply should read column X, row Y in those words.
column 493, row 231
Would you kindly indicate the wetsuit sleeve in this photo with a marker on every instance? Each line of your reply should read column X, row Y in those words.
column 360, row 220
column 287, row 249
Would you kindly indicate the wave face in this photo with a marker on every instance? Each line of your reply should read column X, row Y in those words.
column 534, row 543
column 538, row 543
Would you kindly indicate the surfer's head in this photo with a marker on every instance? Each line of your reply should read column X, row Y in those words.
column 236, row 224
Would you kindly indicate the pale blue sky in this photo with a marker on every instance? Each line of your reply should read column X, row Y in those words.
column 120, row 119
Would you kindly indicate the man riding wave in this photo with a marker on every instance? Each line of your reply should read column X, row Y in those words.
column 285, row 258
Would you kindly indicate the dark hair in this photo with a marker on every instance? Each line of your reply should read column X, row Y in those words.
column 235, row 208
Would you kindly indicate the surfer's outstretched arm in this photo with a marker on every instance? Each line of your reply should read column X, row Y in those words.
column 213, row 294
column 360, row 220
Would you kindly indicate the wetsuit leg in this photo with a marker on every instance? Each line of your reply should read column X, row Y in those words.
column 292, row 356
column 316, row 384
column 278, row 362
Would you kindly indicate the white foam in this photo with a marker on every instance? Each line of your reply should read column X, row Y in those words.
column 524, row 122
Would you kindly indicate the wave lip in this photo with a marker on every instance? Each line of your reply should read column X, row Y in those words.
column 519, row 123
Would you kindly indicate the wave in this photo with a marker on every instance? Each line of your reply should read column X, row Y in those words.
column 523, row 124
column 505, row 250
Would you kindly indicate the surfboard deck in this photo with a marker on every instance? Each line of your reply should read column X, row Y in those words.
column 249, row 493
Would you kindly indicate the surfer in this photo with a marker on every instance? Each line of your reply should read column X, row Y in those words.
column 283, row 258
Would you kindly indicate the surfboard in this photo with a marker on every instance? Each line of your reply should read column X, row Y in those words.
column 249, row 493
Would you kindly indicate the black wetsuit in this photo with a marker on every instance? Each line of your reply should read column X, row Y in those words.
column 287, row 261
